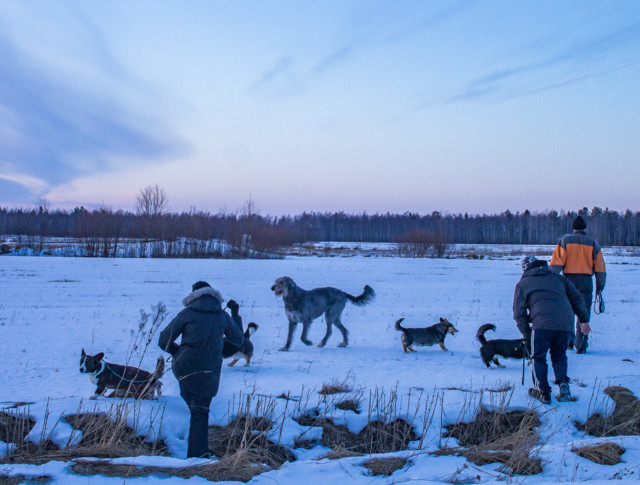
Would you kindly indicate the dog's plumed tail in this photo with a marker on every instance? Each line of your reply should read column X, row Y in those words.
column 251, row 329
column 157, row 374
column 484, row 328
column 399, row 327
column 367, row 296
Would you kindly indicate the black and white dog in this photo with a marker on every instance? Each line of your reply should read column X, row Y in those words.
column 512, row 349
column 246, row 349
column 306, row 305
column 125, row 380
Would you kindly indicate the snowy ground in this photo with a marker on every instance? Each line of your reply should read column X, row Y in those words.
column 51, row 308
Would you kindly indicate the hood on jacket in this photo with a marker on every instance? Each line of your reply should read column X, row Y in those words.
column 536, row 267
column 206, row 291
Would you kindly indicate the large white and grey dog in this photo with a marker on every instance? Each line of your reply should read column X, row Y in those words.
column 306, row 305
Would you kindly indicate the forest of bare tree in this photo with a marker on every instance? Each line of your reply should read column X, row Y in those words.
column 610, row 228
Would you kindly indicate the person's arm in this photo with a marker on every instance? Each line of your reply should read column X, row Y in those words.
column 167, row 338
column 520, row 313
column 599, row 268
column 235, row 313
column 232, row 333
column 559, row 258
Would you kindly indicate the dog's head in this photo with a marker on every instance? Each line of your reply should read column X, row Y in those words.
column 90, row 363
column 282, row 286
column 448, row 326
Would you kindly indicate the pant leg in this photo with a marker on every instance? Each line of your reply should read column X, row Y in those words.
column 539, row 349
column 582, row 340
column 558, row 352
column 198, row 402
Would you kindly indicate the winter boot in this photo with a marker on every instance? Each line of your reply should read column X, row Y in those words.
column 537, row 394
column 565, row 393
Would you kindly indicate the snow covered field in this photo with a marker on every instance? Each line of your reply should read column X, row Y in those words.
column 51, row 308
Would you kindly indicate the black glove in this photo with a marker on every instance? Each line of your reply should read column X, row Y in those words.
column 233, row 306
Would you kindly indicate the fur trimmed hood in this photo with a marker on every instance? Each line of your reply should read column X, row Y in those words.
column 193, row 296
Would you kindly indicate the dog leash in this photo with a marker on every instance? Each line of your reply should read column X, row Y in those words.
column 598, row 304
column 122, row 378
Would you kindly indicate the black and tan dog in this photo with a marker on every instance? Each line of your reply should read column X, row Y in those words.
column 432, row 335
column 125, row 380
column 246, row 349
column 508, row 348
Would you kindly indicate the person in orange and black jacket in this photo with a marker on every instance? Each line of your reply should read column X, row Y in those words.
column 579, row 257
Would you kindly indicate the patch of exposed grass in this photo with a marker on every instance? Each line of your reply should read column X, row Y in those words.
column 384, row 466
column 623, row 420
column 603, row 454
column 23, row 479
column 246, row 435
column 334, row 387
column 237, row 467
column 349, row 405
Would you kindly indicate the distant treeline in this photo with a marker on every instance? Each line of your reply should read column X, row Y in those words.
column 610, row 228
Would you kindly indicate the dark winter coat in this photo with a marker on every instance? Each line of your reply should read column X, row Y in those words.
column 546, row 300
column 203, row 325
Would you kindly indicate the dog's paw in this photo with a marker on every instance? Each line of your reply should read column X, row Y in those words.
column 342, row 344
column 322, row 344
column 284, row 349
column 308, row 343
column 95, row 396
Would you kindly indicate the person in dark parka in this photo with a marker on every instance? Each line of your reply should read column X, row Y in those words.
column 548, row 301
column 197, row 361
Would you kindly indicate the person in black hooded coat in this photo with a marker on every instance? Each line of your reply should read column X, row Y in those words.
column 197, row 361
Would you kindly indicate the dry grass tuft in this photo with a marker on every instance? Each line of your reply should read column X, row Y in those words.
column 245, row 436
column 623, row 420
column 497, row 436
column 237, row 467
column 384, row 466
column 340, row 452
column 375, row 437
column 349, row 405
column 23, row 479
column 603, row 454
column 334, row 387
column 15, row 427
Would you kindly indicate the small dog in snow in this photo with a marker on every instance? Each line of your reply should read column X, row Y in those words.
column 512, row 349
column 125, row 380
column 246, row 349
column 432, row 335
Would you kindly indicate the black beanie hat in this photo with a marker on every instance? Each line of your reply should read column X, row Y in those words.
column 579, row 224
column 200, row 284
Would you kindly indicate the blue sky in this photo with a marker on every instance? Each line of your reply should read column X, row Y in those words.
column 456, row 106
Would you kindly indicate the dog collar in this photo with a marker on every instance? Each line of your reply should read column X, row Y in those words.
column 103, row 366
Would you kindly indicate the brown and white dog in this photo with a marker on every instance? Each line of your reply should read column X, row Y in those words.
column 125, row 380
column 246, row 349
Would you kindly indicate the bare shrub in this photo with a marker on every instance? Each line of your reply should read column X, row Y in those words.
column 384, row 466
column 421, row 244
column 603, row 454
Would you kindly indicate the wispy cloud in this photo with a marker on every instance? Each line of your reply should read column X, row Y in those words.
column 284, row 79
column 52, row 132
column 557, row 67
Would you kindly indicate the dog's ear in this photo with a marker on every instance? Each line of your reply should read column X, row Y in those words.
column 99, row 356
column 83, row 353
column 442, row 320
